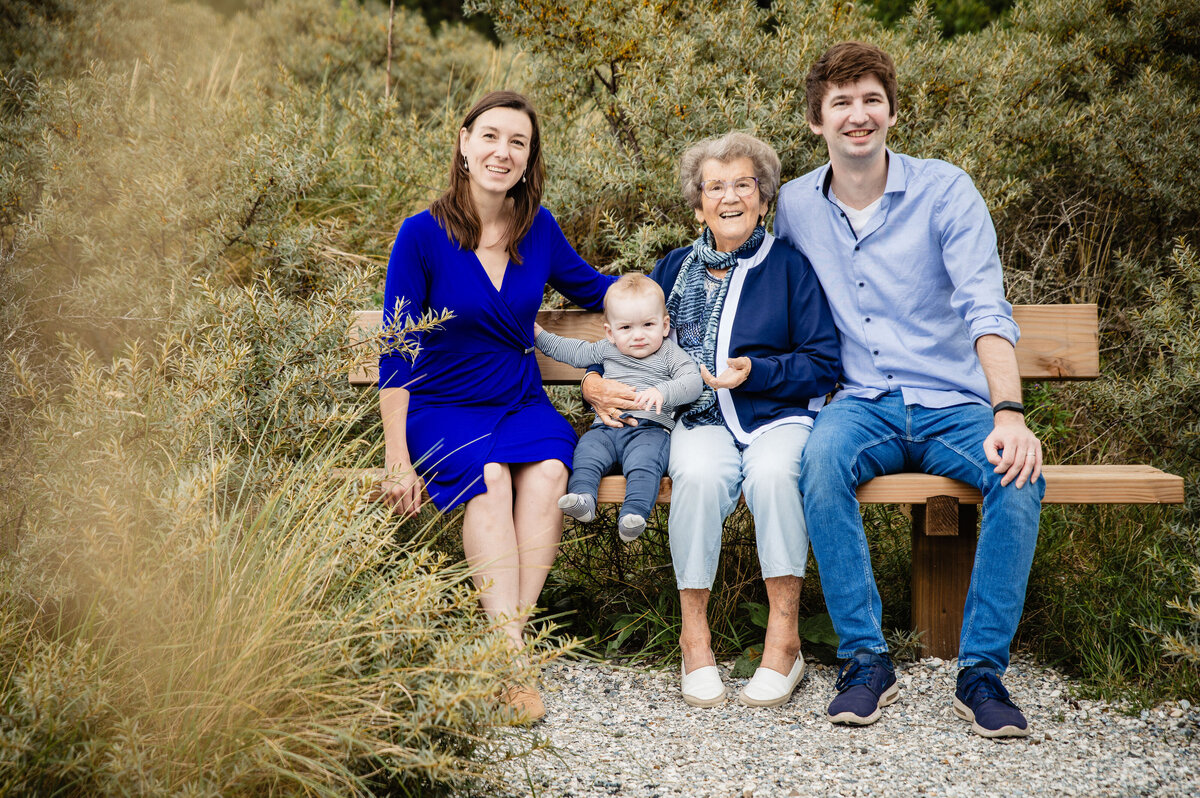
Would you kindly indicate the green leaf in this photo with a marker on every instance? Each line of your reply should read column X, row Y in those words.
column 758, row 613
column 746, row 663
column 818, row 629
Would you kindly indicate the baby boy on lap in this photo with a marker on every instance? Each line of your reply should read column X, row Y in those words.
column 637, row 352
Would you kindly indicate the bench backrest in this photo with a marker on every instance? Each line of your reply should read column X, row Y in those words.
column 1058, row 342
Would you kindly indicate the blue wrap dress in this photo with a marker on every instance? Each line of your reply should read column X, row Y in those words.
column 476, row 393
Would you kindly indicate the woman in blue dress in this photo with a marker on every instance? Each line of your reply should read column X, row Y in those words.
column 467, row 418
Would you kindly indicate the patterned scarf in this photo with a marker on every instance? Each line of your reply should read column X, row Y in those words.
column 696, row 315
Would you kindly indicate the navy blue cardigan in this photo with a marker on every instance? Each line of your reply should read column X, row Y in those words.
column 775, row 313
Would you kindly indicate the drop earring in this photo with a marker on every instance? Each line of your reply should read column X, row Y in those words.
column 522, row 178
column 465, row 168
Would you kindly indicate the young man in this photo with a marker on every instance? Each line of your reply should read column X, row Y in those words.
column 906, row 252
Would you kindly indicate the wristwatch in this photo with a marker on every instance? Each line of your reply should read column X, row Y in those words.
column 1017, row 406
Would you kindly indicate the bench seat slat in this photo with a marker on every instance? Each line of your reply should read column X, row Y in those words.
column 1065, row 484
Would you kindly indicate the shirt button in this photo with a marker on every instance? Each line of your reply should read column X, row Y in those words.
column 875, row 352
column 889, row 376
column 860, row 285
column 868, row 318
column 856, row 248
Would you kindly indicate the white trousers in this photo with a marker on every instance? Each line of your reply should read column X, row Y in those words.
column 708, row 474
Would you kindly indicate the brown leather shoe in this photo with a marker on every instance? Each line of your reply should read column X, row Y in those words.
column 525, row 703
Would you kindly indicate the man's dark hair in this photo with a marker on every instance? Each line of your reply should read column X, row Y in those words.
column 847, row 63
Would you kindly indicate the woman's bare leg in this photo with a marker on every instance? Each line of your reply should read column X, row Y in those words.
column 695, row 639
column 782, row 643
column 538, row 524
column 490, row 543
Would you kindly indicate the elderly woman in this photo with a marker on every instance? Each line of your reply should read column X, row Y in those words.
column 749, row 309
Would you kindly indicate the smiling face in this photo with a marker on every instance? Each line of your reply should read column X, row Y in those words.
column 636, row 323
column 855, row 118
column 497, row 149
column 731, row 218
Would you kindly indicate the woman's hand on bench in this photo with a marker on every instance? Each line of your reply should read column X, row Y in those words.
column 402, row 490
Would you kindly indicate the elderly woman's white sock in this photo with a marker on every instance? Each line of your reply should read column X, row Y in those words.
column 580, row 506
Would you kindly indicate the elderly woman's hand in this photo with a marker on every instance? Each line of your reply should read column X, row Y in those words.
column 609, row 398
column 736, row 372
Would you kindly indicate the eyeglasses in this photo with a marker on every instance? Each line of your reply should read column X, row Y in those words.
column 743, row 187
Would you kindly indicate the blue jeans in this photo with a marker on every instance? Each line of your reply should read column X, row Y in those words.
column 642, row 452
column 855, row 440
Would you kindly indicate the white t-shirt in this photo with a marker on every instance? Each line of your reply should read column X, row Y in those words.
column 858, row 218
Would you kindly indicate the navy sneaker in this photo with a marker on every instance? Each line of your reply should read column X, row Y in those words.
column 981, row 698
column 866, row 683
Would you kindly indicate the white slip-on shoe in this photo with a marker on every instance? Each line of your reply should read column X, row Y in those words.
column 702, row 687
column 769, row 688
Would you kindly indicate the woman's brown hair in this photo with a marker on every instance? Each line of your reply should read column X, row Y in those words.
column 455, row 210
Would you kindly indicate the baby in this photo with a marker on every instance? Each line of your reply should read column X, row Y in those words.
column 636, row 352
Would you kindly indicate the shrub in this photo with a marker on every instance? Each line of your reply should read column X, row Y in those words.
column 1055, row 111
column 191, row 603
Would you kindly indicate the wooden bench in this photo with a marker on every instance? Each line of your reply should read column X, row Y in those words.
column 1058, row 342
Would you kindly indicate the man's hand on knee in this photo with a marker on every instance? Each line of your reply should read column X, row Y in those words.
column 1013, row 449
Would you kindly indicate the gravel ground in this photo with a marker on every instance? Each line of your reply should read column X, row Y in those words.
column 626, row 732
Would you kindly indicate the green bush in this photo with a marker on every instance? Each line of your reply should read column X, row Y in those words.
column 191, row 206
column 192, row 604
column 1061, row 112
column 1119, row 584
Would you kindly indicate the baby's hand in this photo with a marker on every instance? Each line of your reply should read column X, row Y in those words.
column 649, row 399
column 537, row 329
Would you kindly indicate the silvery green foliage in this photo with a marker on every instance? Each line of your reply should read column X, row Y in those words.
column 192, row 604
column 1063, row 105
column 1078, row 121
column 1151, row 410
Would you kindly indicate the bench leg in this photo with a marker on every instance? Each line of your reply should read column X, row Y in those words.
column 943, row 553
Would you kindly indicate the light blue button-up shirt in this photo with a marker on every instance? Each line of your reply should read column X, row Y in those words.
column 912, row 291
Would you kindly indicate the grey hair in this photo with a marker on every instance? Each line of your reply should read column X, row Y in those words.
column 728, row 148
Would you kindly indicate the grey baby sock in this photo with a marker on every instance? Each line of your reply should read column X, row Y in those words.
column 580, row 506
column 629, row 527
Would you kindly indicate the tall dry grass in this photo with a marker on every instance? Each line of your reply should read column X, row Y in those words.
column 204, row 639
column 191, row 606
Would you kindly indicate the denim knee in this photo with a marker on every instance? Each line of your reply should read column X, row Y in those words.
column 824, row 462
